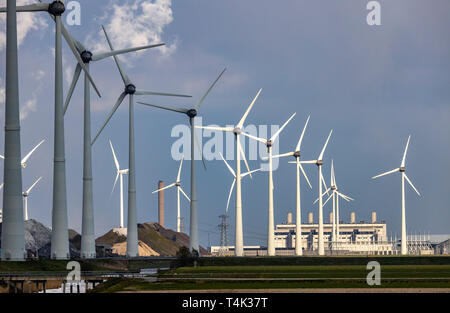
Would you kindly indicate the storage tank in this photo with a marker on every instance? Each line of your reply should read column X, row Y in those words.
column 353, row 218
column 310, row 218
column 331, row 217
column 374, row 217
column 289, row 218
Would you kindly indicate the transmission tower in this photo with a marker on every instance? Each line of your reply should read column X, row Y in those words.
column 223, row 227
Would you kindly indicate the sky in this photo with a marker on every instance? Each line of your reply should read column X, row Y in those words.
column 373, row 85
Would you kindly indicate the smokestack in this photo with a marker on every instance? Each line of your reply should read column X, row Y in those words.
column 331, row 217
column 374, row 217
column 289, row 218
column 161, row 203
column 310, row 218
column 352, row 218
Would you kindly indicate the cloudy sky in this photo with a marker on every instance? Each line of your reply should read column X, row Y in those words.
column 373, row 85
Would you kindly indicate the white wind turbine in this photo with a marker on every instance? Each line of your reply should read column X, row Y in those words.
column 119, row 173
column 335, row 195
column 177, row 183
column 25, row 159
column 401, row 169
column 234, row 180
column 298, row 220
column 321, row 181
column 237, row 130
column 25, row 195
column 269, row 143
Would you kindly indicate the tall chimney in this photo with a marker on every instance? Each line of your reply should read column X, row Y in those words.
column 310, row 218
column 374, row 217
column 289, row 218
column 352, row 218
column 331, row 217
column 161, row 203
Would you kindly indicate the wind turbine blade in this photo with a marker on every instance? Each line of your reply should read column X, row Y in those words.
column 197, row 105
column 228, row 165
column 297, row 148
column 184, row 194
column 114, row 156
column 179, row 110
column 323, row 194
column 229, row 194
column 304, row 174
column 264, row 141
column 32, row 186
column 115, row 182
column 242, row 121
column 250, row 172
column 76, row 53
column 104, row 55
column 387, row 173
column 126, row 80
column 140, row 92
column 30, row 7
column 1, row 186
column 305, row 162
column 76, row 76
column 119, row 101
column 329, row 197
column 281, row 129
column 25, row 159
column 179, row 169
column 1, row 156
column 166, row 187
column 324, row 147
column 332, row 180
column 404, row 153
column 197, row 144
column 280, row 155
column 224, row 129
column 409, row 181
column 325, row 185
column 241, row 151
column 344, row 196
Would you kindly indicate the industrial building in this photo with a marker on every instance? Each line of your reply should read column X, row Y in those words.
column 355, row 238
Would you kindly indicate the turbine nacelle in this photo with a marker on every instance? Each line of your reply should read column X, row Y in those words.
column 402, row 169
column 86, row 56
column 56, row 8
column 130, row 89
column 296, row 154
column 319, row 162
column 269, row 143
column 192, row 113
column 237, row 130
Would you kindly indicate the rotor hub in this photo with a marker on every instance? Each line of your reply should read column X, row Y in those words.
column 86, row 56
column 130, row 89
column 24, row 194
column 177, row 184
column 237, row 131
column 319, row 162
column 56, row 8
column 297, row 154
column 269, row 143
column 192, row 113
column 333, row 188
column 402, row 169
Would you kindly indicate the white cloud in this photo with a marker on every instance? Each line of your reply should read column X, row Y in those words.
column 30, row 106
column 135, row 23
column 2, row 92
column 26, row 22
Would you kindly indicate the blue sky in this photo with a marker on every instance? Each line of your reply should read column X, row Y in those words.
column 373, row 85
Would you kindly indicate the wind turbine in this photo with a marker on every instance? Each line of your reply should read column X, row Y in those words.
column 23, row 163
column 319, row 163
column 25, row 195
column 88, row 232
column 177, row 183
column 402, row 169
column 191, row 113
column 298, row 220
column 269, row 143
column 119, row 173
column 234, row 180
column 60, row 238
column 335, row 195
column 130, row 91
column 237, row 130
